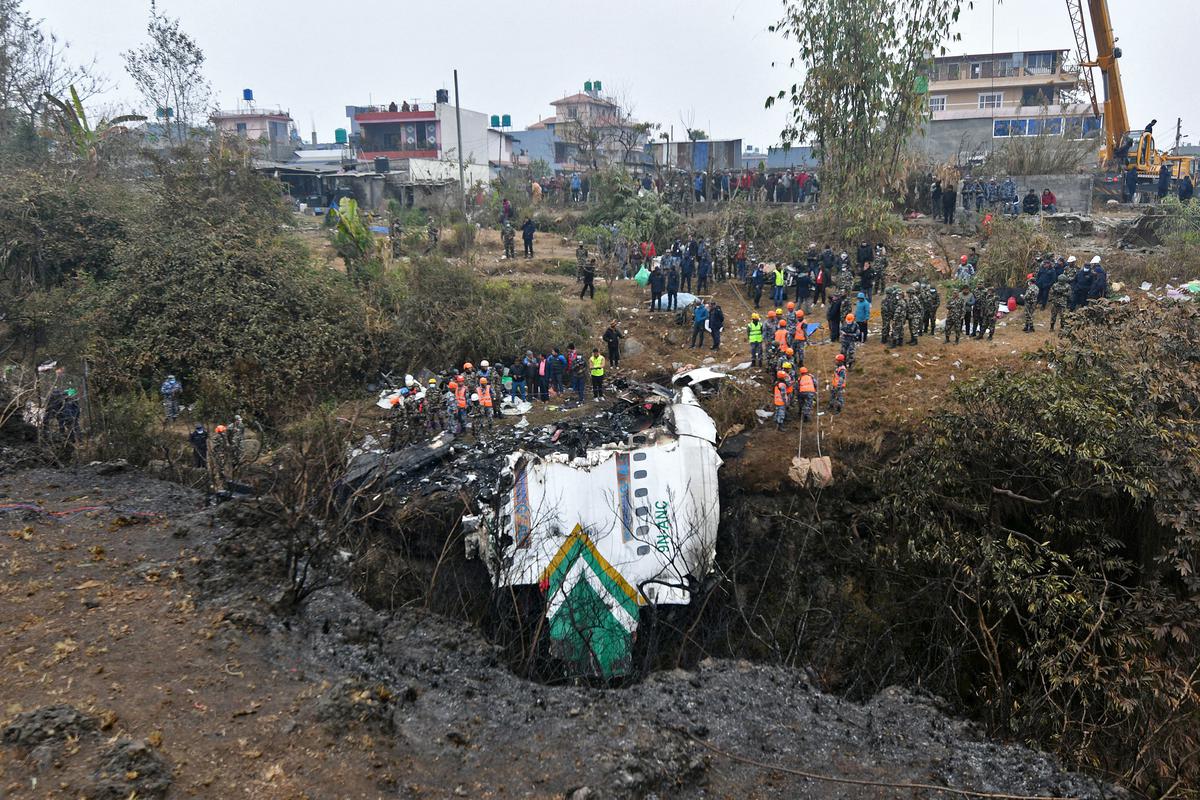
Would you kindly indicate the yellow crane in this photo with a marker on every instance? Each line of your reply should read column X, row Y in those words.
column 1122, row 146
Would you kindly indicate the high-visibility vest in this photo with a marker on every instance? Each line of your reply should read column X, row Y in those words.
column 779, row 277
column 800, row 335
column 597, row 365
column 755, row 331
column 806, row 384
column 460, row 396
column 781, row 390
column 781, row 336
column 839, row 377
column 485, row 396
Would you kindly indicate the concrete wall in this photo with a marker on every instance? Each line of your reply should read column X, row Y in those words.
column 474, row 134
column 944, row 140
column 1074, row 192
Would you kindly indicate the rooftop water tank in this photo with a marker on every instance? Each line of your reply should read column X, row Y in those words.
column 248, row 95
column 339, row 136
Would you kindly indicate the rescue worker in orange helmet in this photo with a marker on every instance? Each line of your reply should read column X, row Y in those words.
column 837, row 386
column 806, row 388
column 781, row 399
column 486, row 406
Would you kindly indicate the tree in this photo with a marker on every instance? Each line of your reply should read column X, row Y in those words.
column 696, row 134
column 859, row 100
column 168, row 71
column 34, row 63
column 74, row 130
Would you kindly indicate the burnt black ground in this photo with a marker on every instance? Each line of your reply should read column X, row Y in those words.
column 416, row 705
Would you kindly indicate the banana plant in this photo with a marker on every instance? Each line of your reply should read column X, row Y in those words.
column 351, row 236
column 75, row 131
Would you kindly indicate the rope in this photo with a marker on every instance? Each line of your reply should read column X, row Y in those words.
column 863, row 782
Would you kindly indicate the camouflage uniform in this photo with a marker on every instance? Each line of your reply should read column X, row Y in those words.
column 844, row 280
column 432, row 232
column 431, row 410
column 721, row 264
column 849, row 336
column 509, row 235
column 881, row 270
column 887, row 311
column 237, row 445
column 1030, row 301
column 916, row 311
column 1060, row 294
column 581, row 259
column 985, row 312
column 933, row 301
column 956, row 307
column 218, row 460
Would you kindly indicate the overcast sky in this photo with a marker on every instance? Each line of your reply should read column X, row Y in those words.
column 705, row 63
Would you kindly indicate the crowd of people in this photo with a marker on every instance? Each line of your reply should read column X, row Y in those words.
column 988, row 196
column 685, row 188
column 471, row 397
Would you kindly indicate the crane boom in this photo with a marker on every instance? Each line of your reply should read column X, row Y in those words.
column 1116, row 117
column 1082, row 52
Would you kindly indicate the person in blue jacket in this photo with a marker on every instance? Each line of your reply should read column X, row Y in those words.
column 862, row 315
column 699, row 317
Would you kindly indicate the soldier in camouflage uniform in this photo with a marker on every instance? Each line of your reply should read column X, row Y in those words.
column 956, row 307
column 432, row 408
column 916, row 312
column 1071, row 270
column 845, row 278
column 1029, row 298
column 932, row 302
column 431, row 230
column 1060, row 295
column 509, row 235
column 985, row 312
column 881, row 268
column 237, row 444
column 581, row 259
column 887, row 311
column 909, row 310
column 721, row 263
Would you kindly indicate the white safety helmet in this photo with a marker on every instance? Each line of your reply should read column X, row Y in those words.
column 1071, row 260
column 484, row 364
column 1095, row 260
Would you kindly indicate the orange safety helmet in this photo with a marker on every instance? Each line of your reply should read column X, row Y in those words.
column 962, row 259
column 395, row 401
column 220, row 429
column 804, row 370
column 771, row 314
column 840, row 357
column 483, row 381
column 800, row 314
column 466, row 365
column 452, row 384
column 789, row 351
column 780, row 374
column 849, row 318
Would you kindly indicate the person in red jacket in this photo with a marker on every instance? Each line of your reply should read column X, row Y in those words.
column 1049, row 201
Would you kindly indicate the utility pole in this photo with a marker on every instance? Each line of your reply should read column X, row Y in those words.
column 462, row 186
column 1178, row 132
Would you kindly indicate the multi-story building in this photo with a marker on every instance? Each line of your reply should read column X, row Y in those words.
column 425, row 131
column 978, row 101
column 268, row 129
column 589, row 130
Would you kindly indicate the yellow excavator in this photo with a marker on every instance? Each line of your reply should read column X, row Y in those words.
column 1122, row 146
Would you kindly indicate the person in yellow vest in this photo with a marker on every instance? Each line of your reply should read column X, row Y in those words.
column 781, row 399
column 806, row 388
column 754, row 334
column 596, row 363
column 485, row 407
column 780, row 288
column 837, row 386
